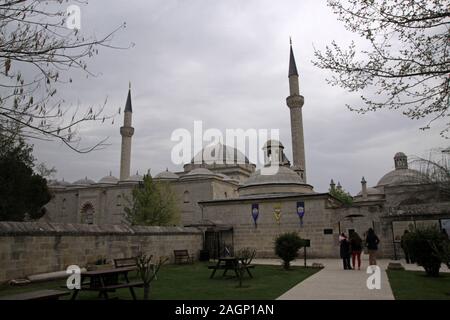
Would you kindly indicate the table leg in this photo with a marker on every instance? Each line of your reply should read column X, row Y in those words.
column 215, row 269
column 74, row 294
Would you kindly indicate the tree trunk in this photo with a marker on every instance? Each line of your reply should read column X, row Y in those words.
column 146, row 291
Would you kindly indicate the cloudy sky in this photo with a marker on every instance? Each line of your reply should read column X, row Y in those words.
column 225, row 62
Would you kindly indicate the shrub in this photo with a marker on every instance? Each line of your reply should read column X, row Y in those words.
column 287, row 246
column 422, row 245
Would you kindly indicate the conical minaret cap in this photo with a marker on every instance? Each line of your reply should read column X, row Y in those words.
column 292, row 65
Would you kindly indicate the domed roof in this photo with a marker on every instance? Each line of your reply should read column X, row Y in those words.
column 284, row 175
column 284, row 180
column 199, row 173
column 135, row 178
column 273, row 142
column 220, row 154
column 402, row 177
column 58, row 183
column 108, row 179
column 84, row 182
column 167, row 175
column 399, row 154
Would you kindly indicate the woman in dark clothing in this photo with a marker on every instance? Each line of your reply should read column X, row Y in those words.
column 372, row 242
column 345, row 251
column 356, row 248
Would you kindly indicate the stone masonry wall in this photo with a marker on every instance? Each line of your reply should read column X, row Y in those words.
column 32, row 247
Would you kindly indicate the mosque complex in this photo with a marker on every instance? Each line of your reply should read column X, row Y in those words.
column 222, row 193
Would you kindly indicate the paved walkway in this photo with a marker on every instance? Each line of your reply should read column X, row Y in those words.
column 334, row 283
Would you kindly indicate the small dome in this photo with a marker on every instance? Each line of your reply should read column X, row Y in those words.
column 108, row 180
column 285, row 180
column 58, row 183
column 273, row 142
column 166, row 175
column 200, row 173
column 135, row 178
column 402, row 177
column 84, row 182
column 400, row 155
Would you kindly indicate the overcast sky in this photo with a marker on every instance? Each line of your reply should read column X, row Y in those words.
column 225, row 62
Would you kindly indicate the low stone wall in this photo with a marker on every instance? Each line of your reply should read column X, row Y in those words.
column 33, row 247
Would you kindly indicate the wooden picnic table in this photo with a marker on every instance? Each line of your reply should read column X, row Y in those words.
column 225, row 263
column 107, row 280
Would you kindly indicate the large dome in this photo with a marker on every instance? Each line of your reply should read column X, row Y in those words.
column 284, row 181
column 402, row 177
column 220, row 154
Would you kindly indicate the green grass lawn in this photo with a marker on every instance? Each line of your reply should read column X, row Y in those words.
column 192, row 282
column 415, row 285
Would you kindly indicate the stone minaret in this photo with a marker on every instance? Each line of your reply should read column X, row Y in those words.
column 126, row 132
column 295, row 103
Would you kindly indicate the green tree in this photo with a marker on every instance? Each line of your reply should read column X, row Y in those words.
column 153, row 203
column 427, row 246
column 22, row 192
column 342, row 195
column 405, row 62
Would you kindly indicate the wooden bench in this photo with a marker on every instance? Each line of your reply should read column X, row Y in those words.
column 37, row 295
column 182, row 256
column 125, row 262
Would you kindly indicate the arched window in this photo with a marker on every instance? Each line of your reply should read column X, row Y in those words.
column 186, row 197
column 119, row 200
column 87, row 213
column 226, row 195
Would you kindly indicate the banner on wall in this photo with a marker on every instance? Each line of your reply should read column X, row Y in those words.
column 301, row 210
column 255, row 213
column 277, row 212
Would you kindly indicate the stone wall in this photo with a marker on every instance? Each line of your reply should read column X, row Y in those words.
column 318, row 216
column 32, row 247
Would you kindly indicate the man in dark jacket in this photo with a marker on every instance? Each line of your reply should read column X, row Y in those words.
column 345, row 251
column 372, row 242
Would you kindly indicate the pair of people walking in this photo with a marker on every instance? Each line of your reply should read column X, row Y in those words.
column 352, row 247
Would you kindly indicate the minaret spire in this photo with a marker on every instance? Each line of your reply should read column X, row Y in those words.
column 295, row 103
column 126, row 131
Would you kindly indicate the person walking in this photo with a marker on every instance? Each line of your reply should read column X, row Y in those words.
column 405, row 247
column 372, row 242
column 356, row 248
column 344, row 245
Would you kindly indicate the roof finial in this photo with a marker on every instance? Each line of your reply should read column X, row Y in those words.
column 129, row 85
column 290, row 40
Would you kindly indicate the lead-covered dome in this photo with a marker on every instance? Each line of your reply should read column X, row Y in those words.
column 220, row 154
column 84, row 182
column 166, row 175
column 402, row 175
column 284, row 180
column 110, row 179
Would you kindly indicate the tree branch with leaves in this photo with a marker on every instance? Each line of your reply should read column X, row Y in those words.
column 37, row 55
column 407, row 65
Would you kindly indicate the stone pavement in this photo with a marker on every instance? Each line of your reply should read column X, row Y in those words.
column 334, row 283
